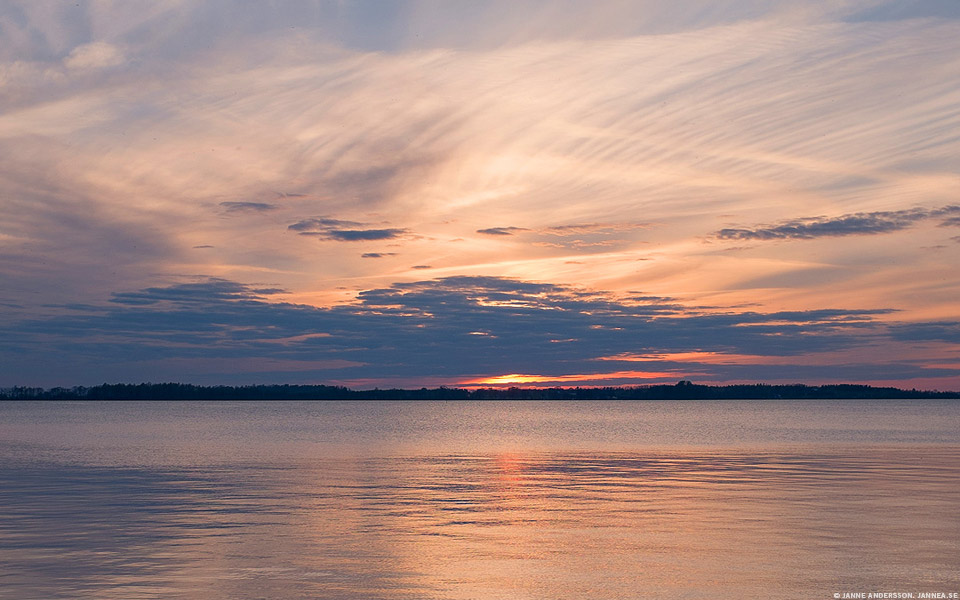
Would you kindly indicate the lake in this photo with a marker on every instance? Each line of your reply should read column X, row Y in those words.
column 479, row 500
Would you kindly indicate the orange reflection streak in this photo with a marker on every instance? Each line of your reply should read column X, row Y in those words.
column 509, row 469
column 525, row 378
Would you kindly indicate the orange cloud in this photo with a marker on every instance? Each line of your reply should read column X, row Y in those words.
column 710, row 358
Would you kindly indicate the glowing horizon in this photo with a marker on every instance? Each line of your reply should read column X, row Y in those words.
column 520, row 378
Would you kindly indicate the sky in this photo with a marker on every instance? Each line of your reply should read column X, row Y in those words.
column 423, row 193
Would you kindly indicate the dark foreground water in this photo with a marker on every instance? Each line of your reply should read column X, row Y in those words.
column 497, row 500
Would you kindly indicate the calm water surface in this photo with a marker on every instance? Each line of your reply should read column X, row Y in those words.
column 487, row 500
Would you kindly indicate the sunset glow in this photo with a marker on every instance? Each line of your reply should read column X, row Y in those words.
column 517, row 378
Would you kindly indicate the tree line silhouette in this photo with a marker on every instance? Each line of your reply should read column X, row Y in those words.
column 683, row 390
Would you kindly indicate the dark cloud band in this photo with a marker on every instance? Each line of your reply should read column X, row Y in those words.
column 343, row 231
column 428, row 329
column 871, row 223
column 500, row 230
column 247, row 206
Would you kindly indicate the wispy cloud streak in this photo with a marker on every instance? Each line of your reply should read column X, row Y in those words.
column 343, row 231
column 233, row 207
column 856, row 224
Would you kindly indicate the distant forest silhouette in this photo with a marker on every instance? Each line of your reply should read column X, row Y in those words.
column 683, row 390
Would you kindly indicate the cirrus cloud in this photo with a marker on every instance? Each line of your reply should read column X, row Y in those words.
column 95, row 55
